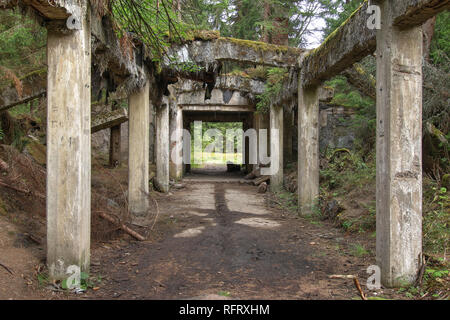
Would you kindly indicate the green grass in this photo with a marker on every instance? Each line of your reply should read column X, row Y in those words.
column 214, row 158
column 357, row 250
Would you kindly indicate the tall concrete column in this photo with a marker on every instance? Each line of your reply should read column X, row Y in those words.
column 138, row 158
column 69, row 149
column 399, row 151
column 176, row 144
column 308, row 148
column 276, row 147
column 115, row 144
column 262, row 122
column 187, row 147
column 287, row 134
column 246, row 144
column 162, row 147
column 152, row 128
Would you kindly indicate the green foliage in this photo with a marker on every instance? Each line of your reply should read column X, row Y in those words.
column 86, row 282
column 358, row 250
column 257, row 19
column 346, row 95
column 1, row 132
column 436, row 105
column 436, row 218
column 22, row 46
column 272, row 88
column 338, row 14
column 440, row 46
column 151, row 21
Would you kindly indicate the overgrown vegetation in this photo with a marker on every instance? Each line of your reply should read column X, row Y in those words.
column 272, row 88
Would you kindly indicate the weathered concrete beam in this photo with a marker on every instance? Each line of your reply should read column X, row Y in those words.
column 218, row 108
column 218, row 98
column 224, row 82
column 107, row 54
column 108, row 119
column 32, row 86
column 208, row 52
column 411, row 13
column 353, row 40
column 56, row 9
column 207, row 116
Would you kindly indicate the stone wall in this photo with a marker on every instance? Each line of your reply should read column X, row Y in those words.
column 335, row 127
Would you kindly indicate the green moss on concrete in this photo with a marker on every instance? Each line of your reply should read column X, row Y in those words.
column 325, row 47
column 261, row 46
column 191, row 35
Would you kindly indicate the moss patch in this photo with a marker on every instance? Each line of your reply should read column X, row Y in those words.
column 262, row 46
column 324, row 48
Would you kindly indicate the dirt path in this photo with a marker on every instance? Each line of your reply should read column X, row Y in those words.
column 223, row 239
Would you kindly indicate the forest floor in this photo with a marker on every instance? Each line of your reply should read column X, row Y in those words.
column 211, row 240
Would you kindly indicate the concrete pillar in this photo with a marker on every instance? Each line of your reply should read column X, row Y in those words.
column 138, row 157
column 246, row 145
column 69, row 149
column 262, row 122
column 276, row 146
column 308, row 148
column 115, row 144
column 162, row 147
column 176, row 144
column 152, row 127
column 287, row 134
column 187, row 147
column 399, row 151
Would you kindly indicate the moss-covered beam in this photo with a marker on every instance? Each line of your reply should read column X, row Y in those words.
column 207, row 52
column 107, row 52
column 411, row 13
column 109, row 119
column 361, row 80
column 353, row 40
column 224, row 82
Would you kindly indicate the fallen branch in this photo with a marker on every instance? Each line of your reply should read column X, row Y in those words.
column 21, row 190
column 338, row 276
column 122, row 226
column 260, row 180
column 355, row 281
column 358, row 287
column 6, row 268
